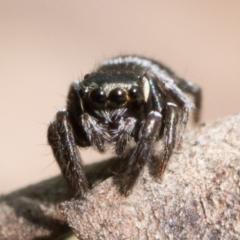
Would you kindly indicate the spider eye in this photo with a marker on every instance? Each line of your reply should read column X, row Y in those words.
column 83, row 92
column 134, row 92
column 97, row 95
column 117, row 97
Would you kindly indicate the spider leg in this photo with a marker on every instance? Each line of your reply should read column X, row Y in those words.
column 167, row 85
column 196, row 92
column 62, row 141
column 142, row 152
column 169, row 137
column 122, row 135
column 96, row 133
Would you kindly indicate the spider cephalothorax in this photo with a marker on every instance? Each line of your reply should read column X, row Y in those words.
column 127, row 99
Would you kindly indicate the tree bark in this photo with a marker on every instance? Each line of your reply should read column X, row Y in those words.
column 33, row 212
column 197, row 198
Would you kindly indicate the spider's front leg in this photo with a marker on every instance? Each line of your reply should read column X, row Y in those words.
column 167, row 85
column 63, row 143
column 142, row 152
column 169, row 138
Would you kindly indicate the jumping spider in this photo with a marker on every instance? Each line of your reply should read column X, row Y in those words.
column 127, row 98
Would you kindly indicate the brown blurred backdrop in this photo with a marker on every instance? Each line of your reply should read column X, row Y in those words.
column 45, row 45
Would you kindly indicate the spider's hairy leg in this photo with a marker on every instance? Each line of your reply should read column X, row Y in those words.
column 122, row 135
column 61, row 138
column 196, row 92
column 96, row 133
column 166, row 84
column 169, row 138
column 142, row 152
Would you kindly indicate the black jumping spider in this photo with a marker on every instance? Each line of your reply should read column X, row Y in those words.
column 126, row 98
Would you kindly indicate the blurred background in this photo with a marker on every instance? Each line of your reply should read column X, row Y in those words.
column 45, row 45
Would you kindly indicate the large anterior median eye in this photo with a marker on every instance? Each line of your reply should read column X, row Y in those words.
column 117, row 97
column 98, row 96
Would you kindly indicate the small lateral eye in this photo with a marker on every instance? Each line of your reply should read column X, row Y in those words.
column 134, row 92
column 97, row 95
column 117, row 97
column 83, row 92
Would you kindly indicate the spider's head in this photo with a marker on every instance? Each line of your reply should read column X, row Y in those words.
column 114, row 90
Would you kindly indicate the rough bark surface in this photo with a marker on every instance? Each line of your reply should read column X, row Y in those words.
column 197, row 198
column 33, row 213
